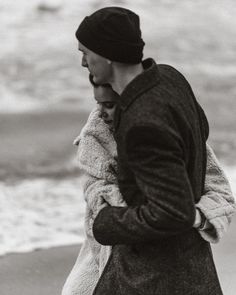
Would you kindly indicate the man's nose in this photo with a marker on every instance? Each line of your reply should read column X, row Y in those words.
column 84, row 62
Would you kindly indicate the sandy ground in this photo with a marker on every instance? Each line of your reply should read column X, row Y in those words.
column 225, row 259
column 36, row 273
column 44, row 271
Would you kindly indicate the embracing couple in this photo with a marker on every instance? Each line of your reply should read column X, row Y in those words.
column 156, row 195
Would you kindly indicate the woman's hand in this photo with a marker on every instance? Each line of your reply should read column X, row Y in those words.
column 201, row 223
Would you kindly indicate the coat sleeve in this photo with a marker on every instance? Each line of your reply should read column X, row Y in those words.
column 161, row 177
column 217, row 203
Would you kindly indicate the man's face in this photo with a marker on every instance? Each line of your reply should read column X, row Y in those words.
column 107, row 100
column 97, row 65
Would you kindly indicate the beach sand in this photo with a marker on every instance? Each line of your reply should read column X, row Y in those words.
column 44, row 271
column 36, row 273
column 225, row 260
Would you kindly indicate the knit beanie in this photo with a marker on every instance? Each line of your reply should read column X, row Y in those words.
column 114, row 33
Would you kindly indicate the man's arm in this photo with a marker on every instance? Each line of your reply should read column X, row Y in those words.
column 156, row 157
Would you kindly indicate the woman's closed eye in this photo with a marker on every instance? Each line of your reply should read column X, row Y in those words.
column 109, row 105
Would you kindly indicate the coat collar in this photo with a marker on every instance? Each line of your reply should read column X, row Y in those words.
column 140, row 84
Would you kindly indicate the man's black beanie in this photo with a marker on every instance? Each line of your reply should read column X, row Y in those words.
column 114, row 33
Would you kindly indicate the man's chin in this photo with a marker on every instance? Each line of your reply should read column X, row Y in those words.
column 96, row 79
column 99, row 80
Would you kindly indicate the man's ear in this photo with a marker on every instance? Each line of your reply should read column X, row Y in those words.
column 109, row 61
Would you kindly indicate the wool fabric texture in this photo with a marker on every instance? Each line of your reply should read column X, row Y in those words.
column 114, row 33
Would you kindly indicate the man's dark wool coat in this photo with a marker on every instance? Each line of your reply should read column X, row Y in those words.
column 161, row 134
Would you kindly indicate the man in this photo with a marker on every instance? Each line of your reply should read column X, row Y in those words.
column 161, row 133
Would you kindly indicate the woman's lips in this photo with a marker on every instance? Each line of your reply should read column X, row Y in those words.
column 108, row 121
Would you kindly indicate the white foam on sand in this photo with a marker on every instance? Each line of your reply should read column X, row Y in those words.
column 40, row 213
column 43, row 213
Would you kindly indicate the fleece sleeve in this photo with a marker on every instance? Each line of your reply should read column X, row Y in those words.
column 217, row 203
column 156, row 158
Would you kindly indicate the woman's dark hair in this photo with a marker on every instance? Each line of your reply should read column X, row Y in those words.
column 106, row 85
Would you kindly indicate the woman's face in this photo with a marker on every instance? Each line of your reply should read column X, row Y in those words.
column 107, row 100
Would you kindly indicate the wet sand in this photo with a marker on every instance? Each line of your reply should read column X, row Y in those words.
column 36, row 273
column 45, row 271
column 225, row 259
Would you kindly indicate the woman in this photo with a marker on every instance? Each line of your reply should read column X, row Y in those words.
column 97, row 158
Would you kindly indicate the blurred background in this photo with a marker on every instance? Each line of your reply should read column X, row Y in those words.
column 45, row 99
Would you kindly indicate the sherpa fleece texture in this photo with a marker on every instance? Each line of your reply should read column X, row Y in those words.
column 97, row 155
column 97, row 158
column 217, row 203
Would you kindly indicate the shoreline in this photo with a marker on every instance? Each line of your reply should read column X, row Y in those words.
column 45, row 271
column 50, row 214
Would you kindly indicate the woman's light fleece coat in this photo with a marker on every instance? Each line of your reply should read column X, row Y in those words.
column 97, row 158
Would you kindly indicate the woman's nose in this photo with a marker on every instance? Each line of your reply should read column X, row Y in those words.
column 104, row 115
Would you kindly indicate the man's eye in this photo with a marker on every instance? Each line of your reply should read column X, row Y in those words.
column 109, row 105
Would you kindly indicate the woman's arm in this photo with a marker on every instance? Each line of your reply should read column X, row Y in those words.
column 96, row 158
column 217, row 204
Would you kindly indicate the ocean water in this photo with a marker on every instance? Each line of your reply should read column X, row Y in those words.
column 40, row 69
column 40, row 213
column 43, row 213
column 40, row 64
